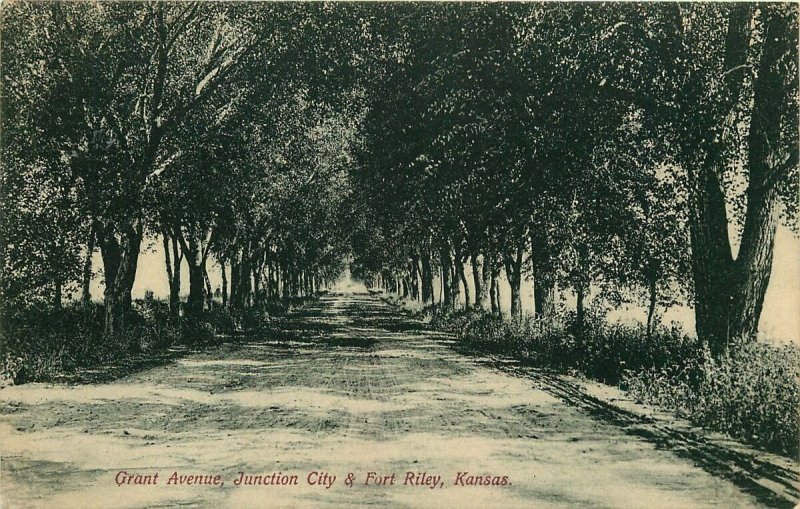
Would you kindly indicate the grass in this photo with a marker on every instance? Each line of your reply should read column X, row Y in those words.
column 42, row 343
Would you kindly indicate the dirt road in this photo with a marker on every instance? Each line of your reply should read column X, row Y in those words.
column 353, row 387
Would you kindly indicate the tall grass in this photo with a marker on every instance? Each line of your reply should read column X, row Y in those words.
column 41, row 343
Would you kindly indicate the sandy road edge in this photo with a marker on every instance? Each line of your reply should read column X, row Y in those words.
column 771, row 478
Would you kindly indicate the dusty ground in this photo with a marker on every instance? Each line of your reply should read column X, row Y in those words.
column 353, row 387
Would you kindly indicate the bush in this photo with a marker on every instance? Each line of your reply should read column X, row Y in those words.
column 39, row 343
column 751, row 392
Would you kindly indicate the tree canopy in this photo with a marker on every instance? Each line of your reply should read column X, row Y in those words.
column 647, row 150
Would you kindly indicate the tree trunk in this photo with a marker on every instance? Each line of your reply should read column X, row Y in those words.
column 414, row 277
column 209, row 289
column 544, row 280
column 478, row 273
column 173, row 273
column 494, row 291
column 729, row 295
column 651, row 310
column 455, row 289
column 58, row 294
column 287, row 281
column 580, row 309
column 256, row 286
column 194, row 304
column 240, row 298
column 444, row 255
column 459, row 266
column 224, row 283
column 195, row 259
column 769, row 156
column 513, row 265
column 235, row 264
column 120, row 260
column 427, row 279
column 86, row 295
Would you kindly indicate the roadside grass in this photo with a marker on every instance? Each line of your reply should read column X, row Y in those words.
column 751, row 392
column 43, row 344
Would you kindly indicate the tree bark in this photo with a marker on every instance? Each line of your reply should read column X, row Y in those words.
column 544, row 280
column 478, row 273
column 580, row 309
column 494, row 291
column 427, row 279
column 120, row 260
column 86, row 295
column 194, row 252
column 224, row 282
column 651, row 309
column 729, row 294
column 209, row 289
column 513, row 265
column 444, row 255
column 459, row 266
column 766, row 155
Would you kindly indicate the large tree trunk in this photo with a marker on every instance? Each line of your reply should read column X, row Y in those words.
column 120, row 260
column 197, row 287
column 544, row 280
column 195, row 252
column 711, row 261
column 447, row 287
column 86, row 295
column 766, row 162
column 729, row 295
column 513, row 265
column 478, row 273
column 427, row 279
column 224, row 282
column 459, row 266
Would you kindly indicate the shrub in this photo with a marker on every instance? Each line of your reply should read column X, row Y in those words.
column 40, row 343
column 199, row 332
column 752, row 392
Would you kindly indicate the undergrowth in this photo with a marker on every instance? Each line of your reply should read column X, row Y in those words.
column 42, row 343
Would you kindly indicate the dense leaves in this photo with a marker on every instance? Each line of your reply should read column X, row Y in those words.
column 636, row 152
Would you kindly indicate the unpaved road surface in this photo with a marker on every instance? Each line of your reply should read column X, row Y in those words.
column 351, row 386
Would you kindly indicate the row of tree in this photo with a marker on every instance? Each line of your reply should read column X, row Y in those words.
column 584, row 145
column 209, row 126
